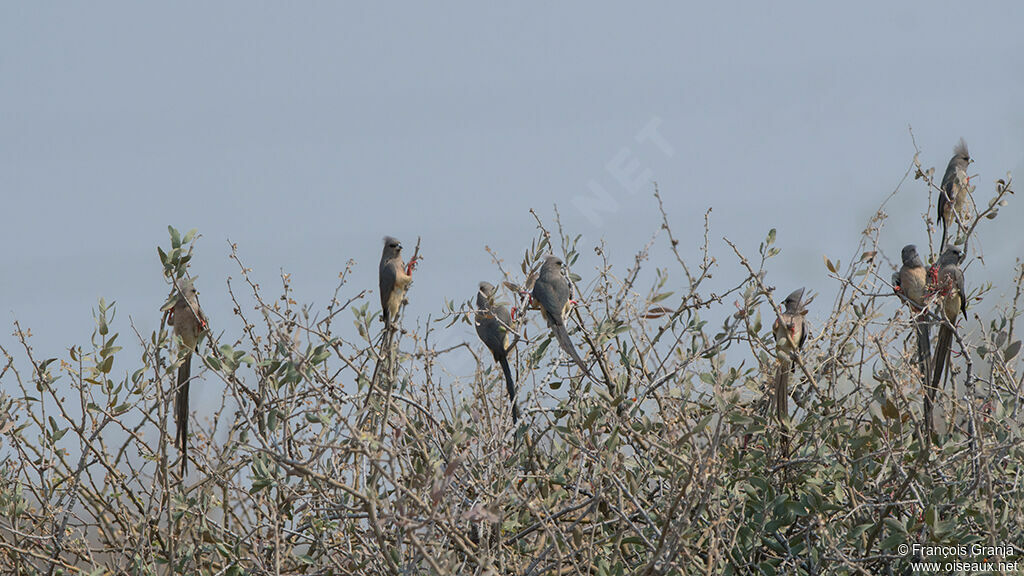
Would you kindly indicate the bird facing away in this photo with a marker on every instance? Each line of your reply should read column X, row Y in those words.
column 912, row 283
column 189, row 324
column 551, row 292
column 949, row 286
column 492, row 324
column 395, row 277
column 790, row 334
column 954, row 188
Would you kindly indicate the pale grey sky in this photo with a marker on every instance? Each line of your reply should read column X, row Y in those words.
column 306, row 132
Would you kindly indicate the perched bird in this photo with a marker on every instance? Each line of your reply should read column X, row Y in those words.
column 492, row 325
column 911, row 282
column 394, row 280
column 189, row 324
column 395, row 277
column 790, row 334
column 954, row 188
column 551, row 292
column 948, row 284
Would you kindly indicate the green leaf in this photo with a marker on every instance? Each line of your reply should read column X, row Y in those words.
column 929, row 517
column 320, row 353
column 1011, row 351
column 661, row 297
column 260, row 485
column 175, row 237
column 317, row 418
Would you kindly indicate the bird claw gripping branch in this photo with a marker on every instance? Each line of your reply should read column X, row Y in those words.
column 412, row 264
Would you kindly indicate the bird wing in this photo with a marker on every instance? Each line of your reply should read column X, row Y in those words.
column 552, row 297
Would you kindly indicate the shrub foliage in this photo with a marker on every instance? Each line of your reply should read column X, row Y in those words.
column 338, row 451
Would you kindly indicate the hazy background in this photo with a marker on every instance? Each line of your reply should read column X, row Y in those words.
column 304, row 133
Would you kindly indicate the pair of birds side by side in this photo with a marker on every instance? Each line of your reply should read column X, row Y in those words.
column 493, row 321
column 917, row 285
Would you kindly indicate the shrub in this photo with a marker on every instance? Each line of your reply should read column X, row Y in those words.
column 336, row 454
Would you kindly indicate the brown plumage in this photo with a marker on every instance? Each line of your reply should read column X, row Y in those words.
column 949, row 286
column 912, row 283
column 189, row 324
column 790, row 334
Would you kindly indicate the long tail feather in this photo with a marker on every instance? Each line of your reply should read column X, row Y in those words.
column 566, row 344
column 384, row 362
column 924, row 353
column 782, row 404
column 181, row 410
column 510, row 385
column 942, row 345
column 925, row 362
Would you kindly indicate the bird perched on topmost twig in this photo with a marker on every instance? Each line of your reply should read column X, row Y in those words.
column 395, row 278
column 955, row 183
column 189, row 325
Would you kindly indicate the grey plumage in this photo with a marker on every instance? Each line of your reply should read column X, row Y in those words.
column 188, row 323
column 394, row 277
column 492, row 323
column 394, row 280
column 551, row 292
column 954, row 191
